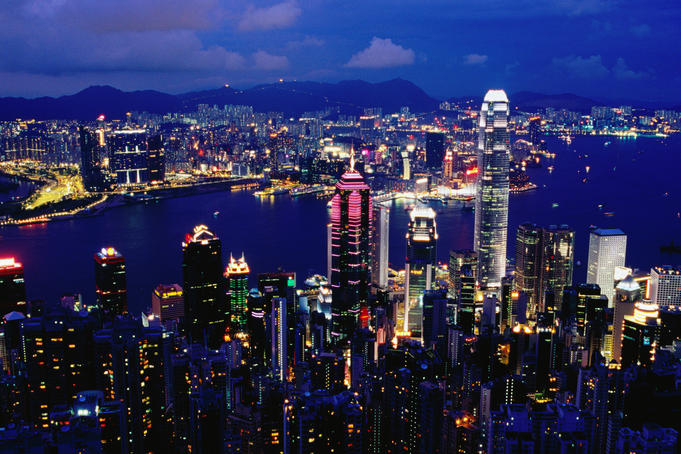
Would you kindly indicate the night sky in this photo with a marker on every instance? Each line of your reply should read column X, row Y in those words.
column 599, row 48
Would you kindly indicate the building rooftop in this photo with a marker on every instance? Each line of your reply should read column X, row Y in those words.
column 496, row 95
column 607, row 232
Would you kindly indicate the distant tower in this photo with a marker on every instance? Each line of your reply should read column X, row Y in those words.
column 89, row 163
column 157, row 161
column 12, row 287
column 379, row 246
column 350, row 251
column 278, row 336
column 607, row 250
column 435, row 149
column 419, row 272
column 448, row 166
column 112, row 293
column 529, row 263
column 129, row 156
column 491, row 201
column 205, row 304
column 236, row 275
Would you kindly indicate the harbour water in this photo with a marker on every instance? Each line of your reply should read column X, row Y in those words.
column 636, row 182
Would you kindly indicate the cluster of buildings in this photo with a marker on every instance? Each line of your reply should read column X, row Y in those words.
column 487, row 360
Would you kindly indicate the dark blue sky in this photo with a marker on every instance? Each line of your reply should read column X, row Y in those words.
column 599, row 48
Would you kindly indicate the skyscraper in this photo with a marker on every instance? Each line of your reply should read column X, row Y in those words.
column 157, row 161
column 607, row 250
column 205, row 305
column 12, row 286
column 435, row 149
column 641, row 334
column 665, row 285
column 90, row 171
column 350, row 251
column 278, row 335
column 236, row 274
column 112, row 293
column 491, row 201
column 419, row 272
column 544, row 262
column 167, row 302
column 528, row 262
column 129, row 156
column 379, row 246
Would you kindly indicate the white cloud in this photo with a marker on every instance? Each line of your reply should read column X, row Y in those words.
column 382, row 53
column 276, row 16
column 475, row 59
column 582, row 67
column 623, row 72
column 267, row 61
column 307, row 42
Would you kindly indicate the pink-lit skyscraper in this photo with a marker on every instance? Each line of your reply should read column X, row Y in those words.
column 350, row 246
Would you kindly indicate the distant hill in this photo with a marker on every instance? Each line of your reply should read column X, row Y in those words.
column 88, row 104
column 526, row 100
column 289, row 97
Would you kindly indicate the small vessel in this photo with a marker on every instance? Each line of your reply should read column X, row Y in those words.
column 216, row 214
column 609, row 213
column 607, row 144
column 554, row 205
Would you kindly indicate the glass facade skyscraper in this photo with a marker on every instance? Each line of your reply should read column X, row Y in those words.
column 491, row 201
column 236, row 274
column 607, row 250
column 350, row 251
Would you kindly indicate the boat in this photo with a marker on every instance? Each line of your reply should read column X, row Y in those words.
column 216, row 214
column 607, row 144
column 609, row 213
column 554, row 205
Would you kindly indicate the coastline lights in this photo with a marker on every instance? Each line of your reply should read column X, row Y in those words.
column 9, row 263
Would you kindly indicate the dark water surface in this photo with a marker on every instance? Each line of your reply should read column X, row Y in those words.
column 629, row 177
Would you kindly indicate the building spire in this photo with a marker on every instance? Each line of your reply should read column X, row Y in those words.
column 352, row 158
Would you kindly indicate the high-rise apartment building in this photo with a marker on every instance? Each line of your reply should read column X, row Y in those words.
column 112, row 293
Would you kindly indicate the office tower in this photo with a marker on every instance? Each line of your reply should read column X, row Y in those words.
column 90, row 170
column 327, row 372
column 281, row 285
column 379, row 246
column 491, row 200
column 627, row 294
column 457, row 259
column 256, row 318
column 206, row 314
column 12, row 286
column 157, row 160
column 167, row 302
column 112, row 293
column 607, row 250
column 434, row 321
column 435, row 149
column 589, row 306
column 529, row 263
column 544, row 262
column 558, row 261
column 350, row 251
column 129, row 156
column 641, row 335
column 406, row 165
column 236, row 274
column 419, row 272
column 534, row 129
column 665, row 285
column 466, row 301
column 278, row 335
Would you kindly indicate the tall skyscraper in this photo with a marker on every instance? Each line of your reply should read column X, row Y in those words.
column 236, row 274
column 379, row 246
column 157, row 161
column 665, row 285
column 491, row 201
column 205, row 304
column 419, row 272
column 641, row 335
column 112, row 292
column 528, row 263
column 278, row 335
column 544, row 263
column 90, row 170
column 435, row 149
column 351, row 209
column 12, row 286
column 457, row 259
column 607, row 250
column 129, row 156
